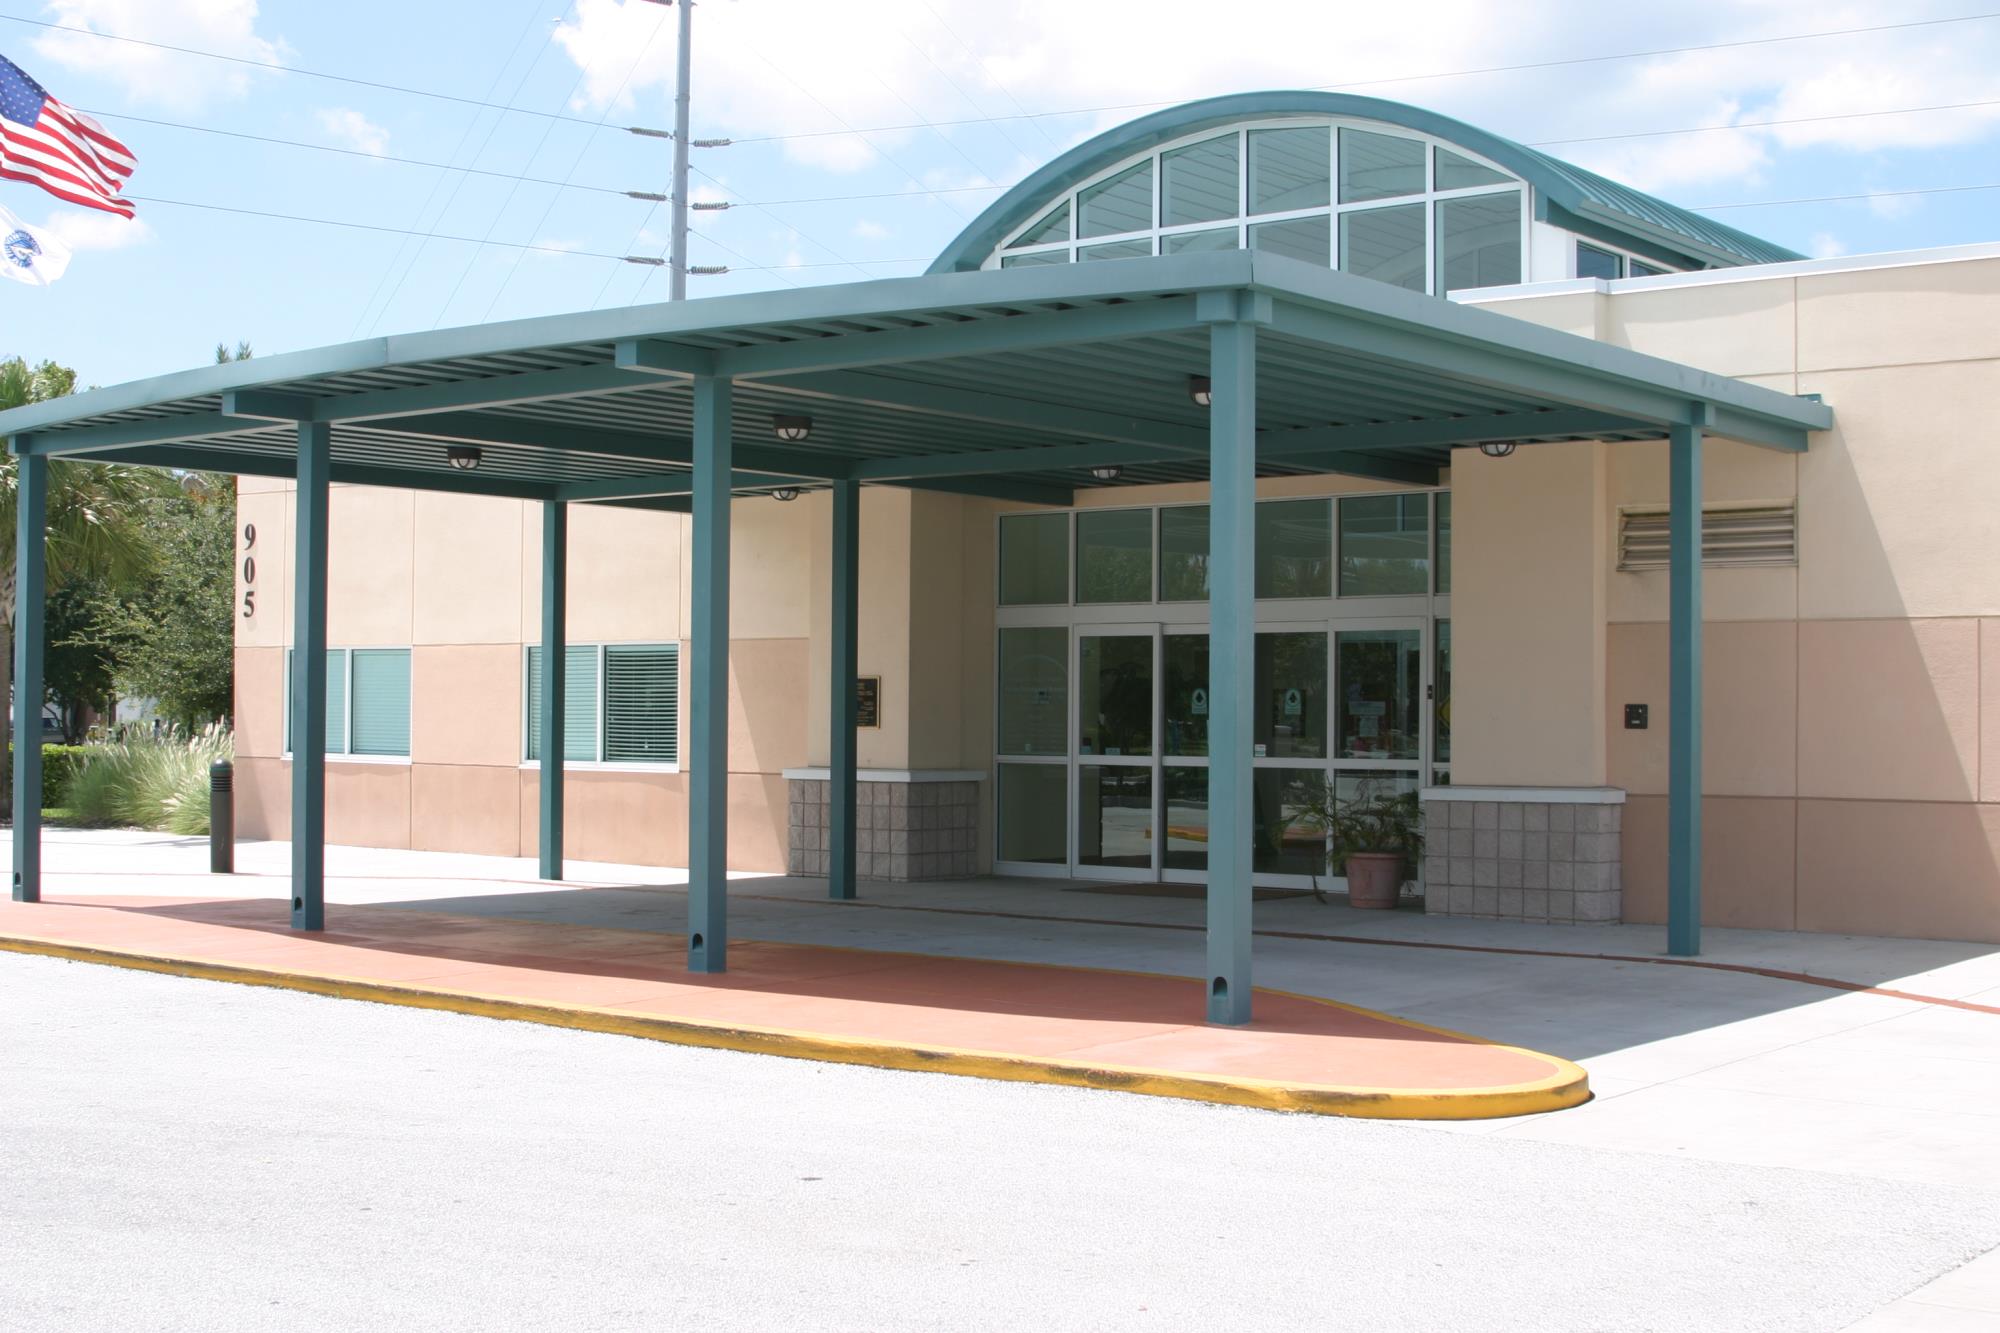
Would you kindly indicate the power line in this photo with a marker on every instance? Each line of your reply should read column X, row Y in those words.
column 1767, row 124
column 1846, row 198
column 1401, row 78
column 293, row 69
column 475, row 240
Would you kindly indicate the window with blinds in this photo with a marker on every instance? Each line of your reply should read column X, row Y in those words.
column 1766, row 534
column 367, row 701
column 621, row 703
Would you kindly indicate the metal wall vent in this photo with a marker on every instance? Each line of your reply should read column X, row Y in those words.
column 1763, row 534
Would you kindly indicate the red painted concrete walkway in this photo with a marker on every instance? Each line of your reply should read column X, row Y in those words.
column 1131, row 1031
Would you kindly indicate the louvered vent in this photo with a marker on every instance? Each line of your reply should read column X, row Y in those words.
column 1730, row 535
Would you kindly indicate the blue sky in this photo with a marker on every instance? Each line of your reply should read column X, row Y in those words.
column 154, row 296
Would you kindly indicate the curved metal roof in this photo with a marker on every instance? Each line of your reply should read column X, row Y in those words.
column 1566, row 195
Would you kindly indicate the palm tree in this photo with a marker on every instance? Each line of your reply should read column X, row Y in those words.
column 92, row 526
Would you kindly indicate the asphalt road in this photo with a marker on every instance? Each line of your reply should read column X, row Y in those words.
column 184, row 1154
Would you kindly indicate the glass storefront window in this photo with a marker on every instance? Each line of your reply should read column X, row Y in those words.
column 1444, row 544
column 1115, row 684
column 1294, row 548
column 1184, row 700
column 1290, row 694
column 1283, row 843
column 1034, row 691
column 1379, row 166
column 1199, row 182
column 1114, row 556
column 1386, row 244
column 1186, row 836
column 1310, row 239
column 1114, row 817
column 1479, row 241
column 1385, row 543
column 1441, row 687
column 1122, row 203
column 1380, row 680
column 1184, row 554
column 1289, row 169
column 1034, row 559
column 1034, row 813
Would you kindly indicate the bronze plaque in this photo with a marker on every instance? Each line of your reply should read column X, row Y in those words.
column 868, row 701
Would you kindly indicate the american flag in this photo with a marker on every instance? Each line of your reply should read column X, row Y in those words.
column 65, row 152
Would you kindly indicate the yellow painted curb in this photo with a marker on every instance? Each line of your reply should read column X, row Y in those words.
column 1568, row 1085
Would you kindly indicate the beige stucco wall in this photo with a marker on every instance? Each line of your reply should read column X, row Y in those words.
column 1851, row 771
column 457, row 579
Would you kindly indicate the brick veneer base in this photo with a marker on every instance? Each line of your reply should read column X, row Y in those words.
column 1525, row 860
column 903, row 830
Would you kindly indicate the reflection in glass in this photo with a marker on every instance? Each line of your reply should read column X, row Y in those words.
column 1592, row 262
column 1379, row 166
column 1373, row 784
column 1380, row 682
column 1033, row 823
column 1035, row 260
column 1123, row 203
column 1114, row 824
column 1116, row 250
column 1184, row 693
column 1295, row 548
column 1034, row 559
column 1186, row 844
column 1310, row 239
column 1290, row 695
column 1198, row 242
column 1457, row 172
column 1199, row 182
column 1115, row 680
column 1184, row 554
column 1479, row 241
column 1283, row 843
column 1288, row 169
column 1053, row 227
column 1386, row 244
column 1441, row 686
column 1385, row 545
column 1444, row 544
column 1034, row 691
column 1114, row 555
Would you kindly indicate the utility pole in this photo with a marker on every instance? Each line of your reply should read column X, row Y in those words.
column 678, row 284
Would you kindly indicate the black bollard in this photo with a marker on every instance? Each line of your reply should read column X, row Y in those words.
column 221, row 818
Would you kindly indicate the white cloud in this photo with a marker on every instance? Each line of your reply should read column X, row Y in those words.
column 90, row 229
column 1825, row 245
column 1891, row 207
column 148, row 74
column 351, row 129
column 868, row 229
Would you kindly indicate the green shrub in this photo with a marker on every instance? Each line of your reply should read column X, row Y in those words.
column 59, row 764
column 149, row 782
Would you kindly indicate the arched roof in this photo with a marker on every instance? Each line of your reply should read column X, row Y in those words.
column 1566, row 195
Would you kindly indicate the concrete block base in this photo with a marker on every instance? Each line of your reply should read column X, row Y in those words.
column 1543, row 854
column 907, row 826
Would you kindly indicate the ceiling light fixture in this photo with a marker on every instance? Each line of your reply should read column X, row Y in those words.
column 464, row 457
column 785, row 494
column 1107, row 472
column 1497, row 448
column 1199, row 390
column 792, row 429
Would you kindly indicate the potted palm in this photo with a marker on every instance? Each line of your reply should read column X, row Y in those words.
column 1373, row 837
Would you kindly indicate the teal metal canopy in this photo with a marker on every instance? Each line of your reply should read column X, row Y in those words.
column 1572, row 198
column 1011, row 384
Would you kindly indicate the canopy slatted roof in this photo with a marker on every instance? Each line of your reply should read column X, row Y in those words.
column 1011, row 383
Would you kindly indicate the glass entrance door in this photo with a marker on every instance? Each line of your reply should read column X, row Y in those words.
column 1381, row 681
column 1116, row 754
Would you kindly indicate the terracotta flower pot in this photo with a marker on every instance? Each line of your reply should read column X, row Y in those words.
column 1374, row 879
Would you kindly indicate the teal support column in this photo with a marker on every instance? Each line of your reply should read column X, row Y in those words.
column 1232, row 465
column 31, row 513
column 842, row 765
column 708, row 772
column 555, row 654
column 1684, row 693
column 309, row 677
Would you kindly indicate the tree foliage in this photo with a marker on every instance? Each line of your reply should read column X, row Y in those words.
column 173, row 634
